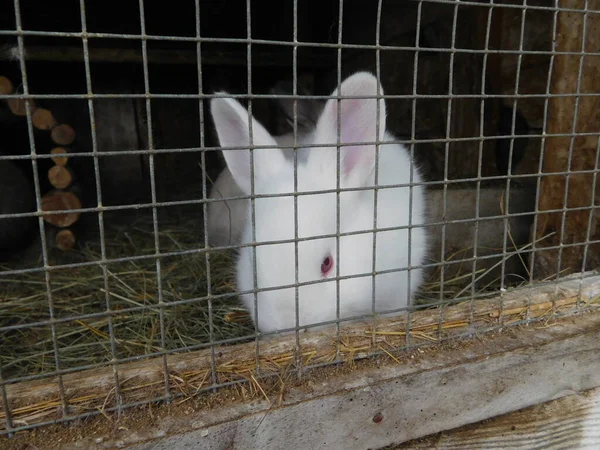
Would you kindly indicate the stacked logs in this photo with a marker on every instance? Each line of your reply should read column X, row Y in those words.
column 65, row 196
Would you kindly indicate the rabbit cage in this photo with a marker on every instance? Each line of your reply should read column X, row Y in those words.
column 112, row 294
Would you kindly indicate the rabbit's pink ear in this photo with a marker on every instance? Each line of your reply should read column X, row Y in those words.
column 357, row 124
column 232, row 124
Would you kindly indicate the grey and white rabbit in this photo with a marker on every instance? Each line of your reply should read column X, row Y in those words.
column 226, row 218
column 317, row 256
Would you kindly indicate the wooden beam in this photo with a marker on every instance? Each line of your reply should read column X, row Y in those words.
column 561, row 115
column 568, row 422
column 386, row 405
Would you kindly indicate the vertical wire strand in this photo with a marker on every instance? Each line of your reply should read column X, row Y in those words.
column 161, row 302
column 102, row 231
column 338, row 176
column 480, row 160
column 209, row 294
column 378, row 119
column 413, row 132
column 252, row 187
column 540, row 173
column 510, row 157
column 295, row 156
column 38, row 198
column 446, row 156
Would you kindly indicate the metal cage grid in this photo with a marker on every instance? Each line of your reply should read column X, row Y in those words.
column 152, row 151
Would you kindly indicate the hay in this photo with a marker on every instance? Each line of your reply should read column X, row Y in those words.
column 133, row 284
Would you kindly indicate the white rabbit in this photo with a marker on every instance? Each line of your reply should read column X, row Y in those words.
column 317, row 215
column 226, row 218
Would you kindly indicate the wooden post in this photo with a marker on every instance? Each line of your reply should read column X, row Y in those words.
column 561, row 114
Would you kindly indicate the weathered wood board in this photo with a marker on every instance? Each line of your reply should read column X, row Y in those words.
column 380, row 406
column 571, row 422
column 571, row 74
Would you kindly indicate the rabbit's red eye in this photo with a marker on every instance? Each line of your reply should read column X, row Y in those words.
column 326, row 265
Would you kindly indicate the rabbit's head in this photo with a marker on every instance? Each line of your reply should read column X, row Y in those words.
column 307, row 223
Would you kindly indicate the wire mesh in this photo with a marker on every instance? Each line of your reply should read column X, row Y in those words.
column 184, row 278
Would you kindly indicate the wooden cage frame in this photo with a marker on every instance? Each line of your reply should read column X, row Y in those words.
column 365, row 402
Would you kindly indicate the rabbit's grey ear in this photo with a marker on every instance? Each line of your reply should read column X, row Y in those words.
column 308, row 110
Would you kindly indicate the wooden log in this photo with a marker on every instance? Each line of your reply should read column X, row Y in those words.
column 18, row 106
column 60, row 177
column 63, row 134
column 61, row 201
column 6, row 87
column 65, row 240
column 61, row 156
column 561, row 114
column 43, row 119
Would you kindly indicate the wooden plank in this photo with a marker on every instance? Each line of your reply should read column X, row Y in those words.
column 385, row 404
column 569, row 422
column 563, row 112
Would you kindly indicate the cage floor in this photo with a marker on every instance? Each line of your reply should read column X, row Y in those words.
column 80, row 297
column 131, row 284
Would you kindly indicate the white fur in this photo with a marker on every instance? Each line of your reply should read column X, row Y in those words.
column 274, row 216
column 226, row 218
